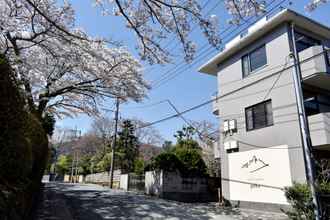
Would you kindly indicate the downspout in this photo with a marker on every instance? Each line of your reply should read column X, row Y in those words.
column 303, row 122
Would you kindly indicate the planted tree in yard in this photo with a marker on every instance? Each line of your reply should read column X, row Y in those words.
column 166, row 161
column 207, row 138
column 185, row 138
column 84, row 165
column 300, row 198
column 139, row 166
column 127, row 147
column 184, row 156
column 63, row 165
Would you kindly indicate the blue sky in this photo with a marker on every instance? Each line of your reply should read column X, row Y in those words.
column 188, row 87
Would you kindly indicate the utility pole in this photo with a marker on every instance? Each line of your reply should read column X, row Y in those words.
column 76, row 168
column 77, row 156
column 72, row 165
column 114, row 142
column 304, row 129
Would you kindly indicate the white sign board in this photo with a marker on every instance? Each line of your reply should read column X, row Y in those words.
column 260, row 175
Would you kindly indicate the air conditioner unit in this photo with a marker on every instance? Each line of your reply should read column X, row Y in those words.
column 233, row 144
column 232, row 124
column 227, row 145
column 226, row 126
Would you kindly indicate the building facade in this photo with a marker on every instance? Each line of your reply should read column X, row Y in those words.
column 261, row 148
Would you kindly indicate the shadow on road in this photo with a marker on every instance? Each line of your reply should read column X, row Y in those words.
column 96, row 204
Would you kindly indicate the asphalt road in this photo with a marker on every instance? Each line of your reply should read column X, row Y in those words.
column 92, row 202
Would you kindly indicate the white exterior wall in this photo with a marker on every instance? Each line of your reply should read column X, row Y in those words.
column 241, row 93
column 261, row 181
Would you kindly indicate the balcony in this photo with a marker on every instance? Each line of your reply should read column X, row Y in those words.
column 315, row 67
column 215, row 105
column 319, row 125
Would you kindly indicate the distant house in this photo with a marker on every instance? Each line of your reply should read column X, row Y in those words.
column 260, row 147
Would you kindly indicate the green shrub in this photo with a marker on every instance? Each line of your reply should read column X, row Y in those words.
column 192, row 161
column 299, row 197
column 63, row 164
column 139, row 166
column 186, row 161
column 167, row 161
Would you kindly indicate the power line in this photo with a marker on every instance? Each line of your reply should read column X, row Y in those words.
column 148, row 105
column 229, row 93
column 194, row 27
column 200, row 134
column 199, row 57
column 168, row 75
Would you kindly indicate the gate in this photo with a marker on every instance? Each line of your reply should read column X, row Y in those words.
column 136, row 182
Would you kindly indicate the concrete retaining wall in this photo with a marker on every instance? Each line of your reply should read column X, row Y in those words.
column 175, row 187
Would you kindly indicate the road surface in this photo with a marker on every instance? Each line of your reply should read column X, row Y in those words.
column 61, row 201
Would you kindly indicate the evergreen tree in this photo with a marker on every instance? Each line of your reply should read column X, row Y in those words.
column 127, row 148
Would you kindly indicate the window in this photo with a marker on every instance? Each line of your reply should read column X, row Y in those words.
column 312, row 106
column 259, row 116
column 254, row 60
column 303, row 42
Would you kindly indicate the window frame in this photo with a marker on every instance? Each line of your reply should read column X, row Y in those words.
column 267, row 124
column 248, row 56
column 299, row 40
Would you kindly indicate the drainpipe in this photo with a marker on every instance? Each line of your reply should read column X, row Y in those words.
column 304, row 129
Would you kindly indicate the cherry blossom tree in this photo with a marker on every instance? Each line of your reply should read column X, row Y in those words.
column 241, row 9
column 61, row 69
column 313, row 4
column 155, row 20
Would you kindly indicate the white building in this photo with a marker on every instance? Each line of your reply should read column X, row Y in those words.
column 260, row 148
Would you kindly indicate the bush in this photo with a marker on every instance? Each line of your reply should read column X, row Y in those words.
column 186, row 161
column 192, row 161
column 63, row 164
column 299, row 196
column 167, row 161
column 139, row 166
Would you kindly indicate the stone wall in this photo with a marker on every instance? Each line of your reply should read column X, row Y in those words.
column 103, row 178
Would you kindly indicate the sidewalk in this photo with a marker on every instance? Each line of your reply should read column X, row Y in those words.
column 52, row 206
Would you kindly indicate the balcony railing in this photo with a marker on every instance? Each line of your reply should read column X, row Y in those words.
column 314, row 60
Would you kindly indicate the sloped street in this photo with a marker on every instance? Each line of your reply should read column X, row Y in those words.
column 93, row 202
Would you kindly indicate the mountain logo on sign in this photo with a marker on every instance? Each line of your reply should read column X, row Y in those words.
column 254, row 164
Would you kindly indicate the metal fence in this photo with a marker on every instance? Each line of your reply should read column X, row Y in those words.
column 325, row 202
column 136, row 182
